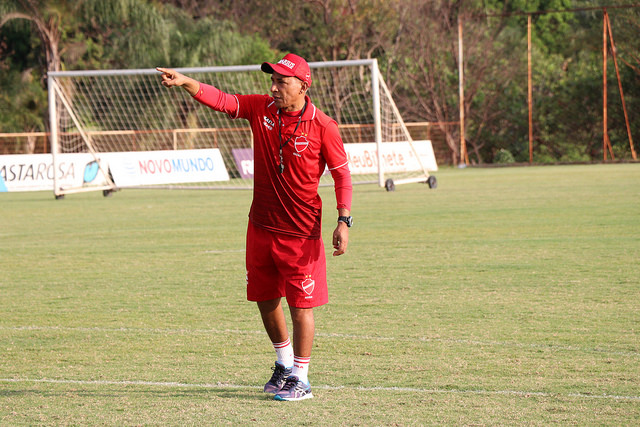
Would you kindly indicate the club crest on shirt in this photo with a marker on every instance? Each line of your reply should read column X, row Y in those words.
column 301, row 143
column 308, row 284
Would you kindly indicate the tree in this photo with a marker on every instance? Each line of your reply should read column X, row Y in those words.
column 320, row 30
column 99, row 34
column 23, row 101
column 427, row 75
column 46, row 18
column 567, row 79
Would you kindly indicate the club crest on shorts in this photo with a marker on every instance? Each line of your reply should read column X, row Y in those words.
column 301, row 143
column 308, row 284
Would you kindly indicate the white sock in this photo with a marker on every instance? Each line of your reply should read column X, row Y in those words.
column 284, row 351
column 301, row 368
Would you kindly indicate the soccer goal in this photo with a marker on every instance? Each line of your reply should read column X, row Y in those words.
column 113, row 129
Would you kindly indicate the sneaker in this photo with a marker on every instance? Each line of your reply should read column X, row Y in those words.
column 280, row 374
column 294, row 389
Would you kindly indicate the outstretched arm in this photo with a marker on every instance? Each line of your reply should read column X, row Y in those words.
column 203, row 93
column 171, row 78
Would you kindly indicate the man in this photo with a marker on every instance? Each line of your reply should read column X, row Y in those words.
column 293, row 142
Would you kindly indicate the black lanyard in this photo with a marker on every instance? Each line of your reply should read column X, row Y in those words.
column 282, row 144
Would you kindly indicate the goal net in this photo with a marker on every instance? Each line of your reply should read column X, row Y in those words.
column 114, row 129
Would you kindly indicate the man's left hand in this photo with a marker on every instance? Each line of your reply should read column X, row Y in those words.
column 340, row 239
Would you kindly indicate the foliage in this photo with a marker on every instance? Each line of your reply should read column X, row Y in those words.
column 414, row 41
column 97, row 34
column 552, row 29
column 22, row 97
column 319, row 30
column 503, row 156
column 137, row 34
column 567, row 87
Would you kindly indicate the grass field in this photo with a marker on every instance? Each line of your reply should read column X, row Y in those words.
column 506, row 296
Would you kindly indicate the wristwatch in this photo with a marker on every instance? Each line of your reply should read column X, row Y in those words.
column 346, row 219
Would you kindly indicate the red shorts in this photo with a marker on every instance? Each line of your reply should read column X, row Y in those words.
column 279, row 265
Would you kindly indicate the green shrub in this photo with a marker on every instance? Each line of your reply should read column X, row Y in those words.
column 503, row 156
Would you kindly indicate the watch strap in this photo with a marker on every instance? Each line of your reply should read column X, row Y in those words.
column 346, row 219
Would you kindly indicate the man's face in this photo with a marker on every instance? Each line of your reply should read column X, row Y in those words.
column 288, row 92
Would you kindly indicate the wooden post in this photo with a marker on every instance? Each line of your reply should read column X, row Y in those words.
column 463, row 145
column 605, row 135
column 530, row 89
column 624, row 105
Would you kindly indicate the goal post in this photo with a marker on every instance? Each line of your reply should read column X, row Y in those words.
column 113, row 129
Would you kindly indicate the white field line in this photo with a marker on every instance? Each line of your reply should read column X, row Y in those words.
column 214, row 386
column 479, row 343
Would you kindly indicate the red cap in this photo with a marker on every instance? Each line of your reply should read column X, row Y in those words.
column 291, row 66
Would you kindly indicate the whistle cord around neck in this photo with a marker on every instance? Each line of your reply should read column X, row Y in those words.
column 283, row 144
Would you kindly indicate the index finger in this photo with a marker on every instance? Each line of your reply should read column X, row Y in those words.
column 167, row 71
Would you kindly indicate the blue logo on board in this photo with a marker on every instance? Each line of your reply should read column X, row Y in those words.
column 91, row 171
column 3, row 187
